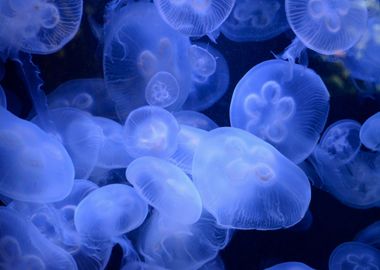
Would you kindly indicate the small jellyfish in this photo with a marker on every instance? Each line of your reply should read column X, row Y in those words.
column 34, row 166
column 150, row 131
column 166, row 187
column 210, row 77
column 355, row 256
column 370, row 132
column 162, row 89
column 195, row 119
column 110, row 211
column 290, row 266
column 370, row 235
column 3, row 98
column 325, row 26
column 290, row 113
column 194, row 18
column 340, row 142
column 247, row 184
column 255, row 20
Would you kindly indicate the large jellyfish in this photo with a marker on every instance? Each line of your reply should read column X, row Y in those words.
column 142, row 66
column 370, row 235
column 34, row 166
column 167, row 188
column 354, row 256
column 195, row 18
column 195, row 119
column 290, row 266
column 327, row 26
column 370, row 132
column 285, row 104
column 255, row 20
column 110, row 211
column 246, row 183
column 23, row 247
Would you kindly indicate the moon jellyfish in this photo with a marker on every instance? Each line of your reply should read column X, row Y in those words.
column 370, row 235
column 195, row 18
column 110, row 211
column 288, row 111
column 142, row 66
column 195, row 119
column 255, row 20
column 247, row 184
column 3, row 98
column 340, row 142
column 370, row 132
column 23, row 247
column 151, row 131
column 88, row 95
column 34, row 166
column 166, row 187
column 290, row 266
column 210, row 77
column 354, row 255
column 325, row 26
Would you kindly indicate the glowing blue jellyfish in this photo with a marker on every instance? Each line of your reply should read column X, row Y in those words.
column 3, row 98
column 287, row 110
column 23, row 247
column 194, row 18
column 340, row 143
column 327, row 27
column 167, row 188
column 255, row 20
column 110, row 211
column 370, row 235
column 88, row 95
column 142, row 66
column 246, row 183
column 34, row 166
column 354, row 255
column 150, row 131
column 370, row 132
column 195, row 119
column 210, row 77
column 290, row 266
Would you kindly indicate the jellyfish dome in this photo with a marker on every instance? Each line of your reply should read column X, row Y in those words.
column 195, row 18
column 327, row 26
column 285, row 104
column 110, row 211
column 142, row 66
column 370, row 132
column 195, row 119
column 166, row 187
column 34, row 166
column 37, row 26
column 3, row 98
column 354, row 255
column 247, row 184
column 290, row 266
column 255, row 20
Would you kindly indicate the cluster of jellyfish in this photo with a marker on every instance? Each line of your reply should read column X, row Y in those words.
column 129, row 159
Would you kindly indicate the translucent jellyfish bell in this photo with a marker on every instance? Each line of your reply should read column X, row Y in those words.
column 195, row 119
column 110, row 211
column 370, row 132
column 194, row 18
column 326, row 26
column 162, row 89
column 287, row 110
column 203, row 63
column 166, row 187
column 255, row 20
column 354, row 255
column 246, row 183
column 150, row 131
column 290, row 266
column 34, row 166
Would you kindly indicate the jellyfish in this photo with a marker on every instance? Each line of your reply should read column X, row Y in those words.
column 370, row 132
column 210, row 77
column 246, row 183
column 88, row 95
column 289, row 112
column 327, row 27
column 23, row 247
column 166, row 187
column 195, row 119
column 142, row 66
column 255, row 20
column 215, row 264
column 290, row 266
column 109, row 211
column 195, row 18
column 150, row 131
column 370, row 235
column 354, row 255
column 34, row 166
column 3, row 98
column 340, row 142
